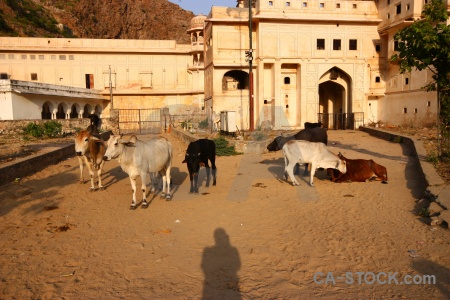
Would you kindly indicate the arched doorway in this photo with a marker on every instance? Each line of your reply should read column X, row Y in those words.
column 87, row 111
column 335, row 99
column 74, row 111
column 46, row 111
column 235, row 80
column 61, row 114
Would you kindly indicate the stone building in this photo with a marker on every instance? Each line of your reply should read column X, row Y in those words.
column 312, row 60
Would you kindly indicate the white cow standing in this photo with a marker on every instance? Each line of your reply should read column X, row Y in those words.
column 137, row 158
column 316, row 154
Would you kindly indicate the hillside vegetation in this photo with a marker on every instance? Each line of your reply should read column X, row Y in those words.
column 114, row 19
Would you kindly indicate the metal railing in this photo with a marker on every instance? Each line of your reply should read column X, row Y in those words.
column 342, row 120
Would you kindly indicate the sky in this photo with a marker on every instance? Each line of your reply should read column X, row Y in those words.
column 203, row 6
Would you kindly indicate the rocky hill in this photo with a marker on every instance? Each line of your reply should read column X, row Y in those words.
column 104, row 19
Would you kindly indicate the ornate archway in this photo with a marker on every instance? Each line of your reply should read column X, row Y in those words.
column 335, row 98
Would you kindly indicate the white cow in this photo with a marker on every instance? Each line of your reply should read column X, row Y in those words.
column 137, row 158
column 316, row 154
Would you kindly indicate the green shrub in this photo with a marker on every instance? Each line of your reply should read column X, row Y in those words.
column 258, row 136
column 34, row 130
column 203, row 124
column 222, row 148
column 52, row 128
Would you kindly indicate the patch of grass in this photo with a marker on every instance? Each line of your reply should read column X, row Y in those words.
column 433, row 158
column 203, row 124
column 397, row 139
column 222, row 148
column 424, row 212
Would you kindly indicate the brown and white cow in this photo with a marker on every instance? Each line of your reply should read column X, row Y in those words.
column 316, row 154
column 359, row 170
column 90, row 151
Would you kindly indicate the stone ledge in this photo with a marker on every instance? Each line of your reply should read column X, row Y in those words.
column 246, row 147
column 37, row 162
column 437, row 188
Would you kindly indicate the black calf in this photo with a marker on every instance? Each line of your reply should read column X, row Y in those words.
column 198, row 153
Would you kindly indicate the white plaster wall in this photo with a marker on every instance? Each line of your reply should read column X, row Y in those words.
column 6, row 111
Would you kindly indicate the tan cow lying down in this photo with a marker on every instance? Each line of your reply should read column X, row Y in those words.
column 90, row 150
column 359, row 170
column 316, row 154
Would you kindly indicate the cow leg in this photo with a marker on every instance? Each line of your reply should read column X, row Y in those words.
column 311, row 176
column 99, row 175
column 306, row 170
column 289, row 169
column 208, row 173
column 144, row 189
column 196, row 183
column 133, row 188
column 214, row 169
column 80, row 161
column 214, row 174
column 166, row 183
column 91, row 174
column 153, row 182
column 191, row 179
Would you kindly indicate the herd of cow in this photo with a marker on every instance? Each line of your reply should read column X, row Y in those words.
column 137, row 158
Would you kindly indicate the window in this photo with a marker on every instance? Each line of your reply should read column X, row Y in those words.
column 32, row 56
column 338, row 5
column 287, row 80
column 378, row 47
column 270, row 3
column 5, row 76
column 288, row 4
column 398, row 9
column 321, row 5
column 396, row 48
column 62, row 57
column 11, row 56
column 408, row 6
column 89, row 81
column 336, row 44
column 2, row 56
column 71, row 57
column 23, row 56
column 355, row 6
column 377, row 79
column 415, row 110
column 352, row 45
column 388, row 16
column 53, row 57
column 320, row 44
column 428, row 103
column 41, row 57
column 405, row 110
column 406, row 80
column 305, row 4
column 33, row 76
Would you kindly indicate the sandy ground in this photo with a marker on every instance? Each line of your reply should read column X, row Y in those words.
column 253, row 236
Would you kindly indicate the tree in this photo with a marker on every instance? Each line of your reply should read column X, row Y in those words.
column 426, row 45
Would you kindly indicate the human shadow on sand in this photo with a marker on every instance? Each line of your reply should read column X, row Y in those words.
column 437, row 275
column 220, row 264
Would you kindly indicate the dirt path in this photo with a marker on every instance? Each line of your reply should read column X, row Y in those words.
column 253, row 236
